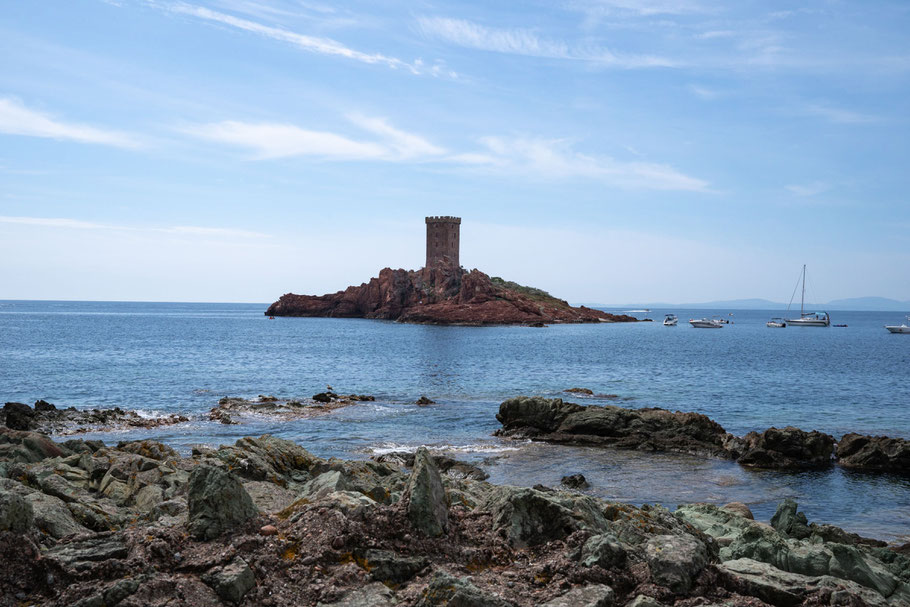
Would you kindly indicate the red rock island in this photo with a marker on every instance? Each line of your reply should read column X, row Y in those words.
column 442, row 292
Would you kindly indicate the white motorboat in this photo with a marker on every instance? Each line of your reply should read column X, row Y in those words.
column 670, row 320
column 706, row 323
column 807, row 319
column 901, row 328
column 776, row 323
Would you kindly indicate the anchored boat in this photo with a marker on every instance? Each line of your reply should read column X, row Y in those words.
column 807, row 319
column 901, row 328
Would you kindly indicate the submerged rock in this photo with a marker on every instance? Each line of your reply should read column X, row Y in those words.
column 217, row 502
column 575, row 481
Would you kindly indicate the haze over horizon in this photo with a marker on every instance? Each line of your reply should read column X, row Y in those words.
column 603, row 150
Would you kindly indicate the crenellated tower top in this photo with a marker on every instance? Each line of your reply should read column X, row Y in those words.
column 443, row 239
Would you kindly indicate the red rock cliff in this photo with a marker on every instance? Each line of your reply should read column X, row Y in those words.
column 441, row 295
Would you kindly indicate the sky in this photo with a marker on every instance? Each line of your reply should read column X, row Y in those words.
column 604, row 150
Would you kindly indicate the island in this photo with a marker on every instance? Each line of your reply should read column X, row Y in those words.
column 442, row 292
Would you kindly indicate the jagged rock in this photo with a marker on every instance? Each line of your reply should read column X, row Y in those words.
column 28, row 447
column 647, row 429
column 232, row 581
column 595, row 595
column 43, row 405
column 371, row 595
column 391, row 568
column 787, row 448
column 446, row 465
column 85, row 550
column 423, row 400
column 527, row 517
column 583, row 391
column 604, row 551
column 19, row 416
column 16, row 513
column 874, row 453
column 675, row 560
column 150, row 449
column 575, row 481
column 440, row 295
column 789, row 522
column 267, row 458
column 112, row 595
column 426, row 497
column 446, row 589
column 217, row 502
column 739, row 508
column 643, row 600
column 786, row 589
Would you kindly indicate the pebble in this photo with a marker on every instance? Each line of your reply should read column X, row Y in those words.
column 268, row 530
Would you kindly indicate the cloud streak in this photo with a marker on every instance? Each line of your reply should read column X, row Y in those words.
column 556, row 159
column 311, row 44
column 78, row 224
column 271, row 140
column 17, row 119
column 527, row 43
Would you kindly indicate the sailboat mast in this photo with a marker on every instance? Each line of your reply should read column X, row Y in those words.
column 802, row 299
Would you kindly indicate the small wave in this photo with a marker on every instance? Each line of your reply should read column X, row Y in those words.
column 385, row 448
column 144, row 414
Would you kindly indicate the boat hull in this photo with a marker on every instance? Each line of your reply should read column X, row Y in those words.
column 698, row 324
column 898, row 329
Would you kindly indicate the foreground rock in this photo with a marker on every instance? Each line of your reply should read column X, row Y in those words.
column 442, row 294
column 264, row 522
column 653, row 429
column 47, row 418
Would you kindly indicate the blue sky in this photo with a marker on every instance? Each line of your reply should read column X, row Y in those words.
column 604, row 150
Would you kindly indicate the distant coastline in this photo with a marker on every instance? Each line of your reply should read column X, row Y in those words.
column 850, row 304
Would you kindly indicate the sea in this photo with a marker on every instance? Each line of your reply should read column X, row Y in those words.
column 162, row 358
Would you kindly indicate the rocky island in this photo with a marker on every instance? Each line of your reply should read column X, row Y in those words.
column 442, row 292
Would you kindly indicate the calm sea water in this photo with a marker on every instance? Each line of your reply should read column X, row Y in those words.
column 160, row 357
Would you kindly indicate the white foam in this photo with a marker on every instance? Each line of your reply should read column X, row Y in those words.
column 385, row 448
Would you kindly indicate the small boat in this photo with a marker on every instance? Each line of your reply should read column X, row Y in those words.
column 808, row 319
column 670, row 320
column 776, row 323
column 706, row 323
column 901, row 328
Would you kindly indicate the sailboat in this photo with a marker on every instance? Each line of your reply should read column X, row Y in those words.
column 808, row 319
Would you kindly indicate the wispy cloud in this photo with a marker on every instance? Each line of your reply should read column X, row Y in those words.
column 279, row 140
column 17, row 119
column 78, row 224
column 640, row 7
column 526, row 42
column 311, row 44
column 839, row 115
column 808, row 189
column 704, row 92
column 556, row 159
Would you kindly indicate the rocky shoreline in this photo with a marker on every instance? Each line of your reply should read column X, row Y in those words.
column 660, row 430
column 441, row 294
column 265, row 522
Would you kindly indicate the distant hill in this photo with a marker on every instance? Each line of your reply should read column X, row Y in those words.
column 868, row 304
column 872, row 304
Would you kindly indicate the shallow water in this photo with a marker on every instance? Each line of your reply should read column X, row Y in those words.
column 184, row 357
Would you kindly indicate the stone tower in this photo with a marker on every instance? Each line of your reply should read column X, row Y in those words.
column 442, row 240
